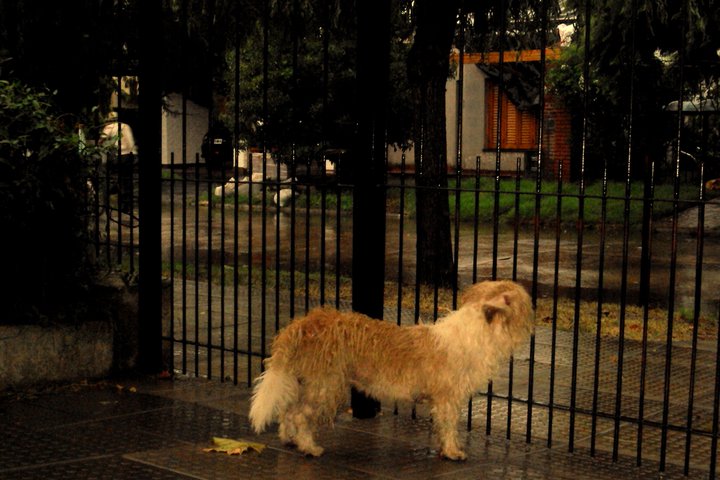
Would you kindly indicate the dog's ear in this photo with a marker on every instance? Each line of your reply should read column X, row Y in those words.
column 499, row 306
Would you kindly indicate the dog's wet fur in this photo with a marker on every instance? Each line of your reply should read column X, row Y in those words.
column 317, row 358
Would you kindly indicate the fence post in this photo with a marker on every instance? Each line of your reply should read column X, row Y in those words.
column 368, row 266
column 149, row 138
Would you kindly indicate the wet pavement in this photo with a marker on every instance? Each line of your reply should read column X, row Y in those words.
column 142, row 427
column 158, row 429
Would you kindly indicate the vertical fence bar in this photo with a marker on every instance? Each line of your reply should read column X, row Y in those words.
column 323, row 144
column 197, row 265
column 699, row 249
column 209, row 287
column 496, row 187
column 599, row 310
column 293, row 230
column 292, row 168
column 458, row 149
column 580, row 229
column 511, row 366
column 118, row 171
column 673, row 252
column 538, row 188
column 108, row 212
column 401, row 240
column 646, row 256
column 223, row 179
column 94, row 204
column 556, row 295
column 184, row 241
column 308, row 188
column 236, row 265
column 131, row 171
column 498, row 136
column 263, row 184
column 171, row 340
column 250, row 269
column 716, row 407
column 236, row 199
column 184, row 199
column 516, row 223
column 323, row 228
column 277, row 244
column 338, row 233
column 626, row 238
column 476, row 206
column 476, row 222
column 196, row 262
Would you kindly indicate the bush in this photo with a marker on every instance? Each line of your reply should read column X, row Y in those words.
column 42, row 207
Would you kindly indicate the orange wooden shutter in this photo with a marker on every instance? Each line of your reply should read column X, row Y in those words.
column 518, row 127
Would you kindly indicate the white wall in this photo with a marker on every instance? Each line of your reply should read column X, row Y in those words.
column 196, row 127
column 473, row 128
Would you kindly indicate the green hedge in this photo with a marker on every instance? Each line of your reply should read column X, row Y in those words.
column 43, row 188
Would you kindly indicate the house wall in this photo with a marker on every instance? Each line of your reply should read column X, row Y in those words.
column 556, row 135
column 172, row 130
column 473, row 126
column 473, row 129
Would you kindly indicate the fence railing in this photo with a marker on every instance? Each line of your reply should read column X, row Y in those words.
column 621, row 263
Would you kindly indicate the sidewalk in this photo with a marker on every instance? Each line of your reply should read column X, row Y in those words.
column 146, row 428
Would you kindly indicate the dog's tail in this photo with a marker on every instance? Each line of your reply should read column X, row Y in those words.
column 278, row 387
column 274, row 390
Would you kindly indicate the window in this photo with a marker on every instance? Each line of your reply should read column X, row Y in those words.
column 518, row 127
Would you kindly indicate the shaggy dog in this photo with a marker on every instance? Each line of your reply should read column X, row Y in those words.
column 316, row 359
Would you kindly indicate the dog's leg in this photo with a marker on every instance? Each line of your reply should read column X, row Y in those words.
column 286, row 429
column 446, row 415
column 300, row 426
column 320, row 400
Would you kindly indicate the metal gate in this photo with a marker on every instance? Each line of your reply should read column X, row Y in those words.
column 614, row 236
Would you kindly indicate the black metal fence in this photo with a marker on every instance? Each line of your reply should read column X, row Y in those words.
column 617, row 247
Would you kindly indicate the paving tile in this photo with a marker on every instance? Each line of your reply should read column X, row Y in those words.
column 160, row 432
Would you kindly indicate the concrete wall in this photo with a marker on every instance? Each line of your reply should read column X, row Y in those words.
column 31, row 354
column 103, row 344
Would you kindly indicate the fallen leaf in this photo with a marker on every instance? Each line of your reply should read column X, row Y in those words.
column 234, row 447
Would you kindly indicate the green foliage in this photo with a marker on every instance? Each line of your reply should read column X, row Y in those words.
column 304, row 98
column 292, row 104
column 621, row 86
column 42, row 200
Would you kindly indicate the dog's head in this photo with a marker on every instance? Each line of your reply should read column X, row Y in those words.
column 505, row 305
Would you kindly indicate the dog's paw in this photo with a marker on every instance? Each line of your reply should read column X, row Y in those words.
column 454, row 454
column 313, row 451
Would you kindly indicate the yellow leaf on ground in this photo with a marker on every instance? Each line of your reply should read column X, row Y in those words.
column 233, row 447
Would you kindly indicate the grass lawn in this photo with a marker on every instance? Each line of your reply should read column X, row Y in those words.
column 515, row 201
column 634, row 321
column 519, row 201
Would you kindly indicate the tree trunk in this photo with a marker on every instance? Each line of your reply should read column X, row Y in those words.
column 428, row 69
